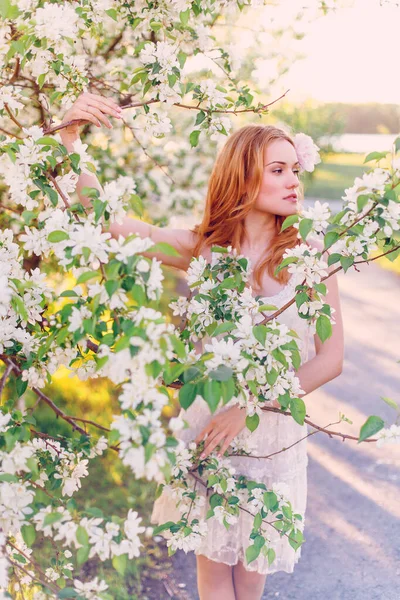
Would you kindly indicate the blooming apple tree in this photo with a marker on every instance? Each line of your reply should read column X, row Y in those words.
column 108, row 323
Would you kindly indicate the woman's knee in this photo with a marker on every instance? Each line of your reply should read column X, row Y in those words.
column 214, row 572
column 248, row 584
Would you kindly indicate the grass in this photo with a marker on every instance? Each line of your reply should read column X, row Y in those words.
column 335, row 173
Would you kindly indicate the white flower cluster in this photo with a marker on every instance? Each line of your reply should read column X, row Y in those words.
column 17, row 174
column 188, row 541
column 140, row 393
column 29, row 295
column 319, row 215
column 115, row 194
column 161, row 60
column 390, row 435
column 308, row 266
column 105, row 538
column 370, row 183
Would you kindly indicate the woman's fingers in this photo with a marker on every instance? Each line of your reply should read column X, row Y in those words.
column 105, row 107
column 103, row 100
column 99, row 115
column 82, row 115
column 226, row 444
column 203, row 433
column 210, row 445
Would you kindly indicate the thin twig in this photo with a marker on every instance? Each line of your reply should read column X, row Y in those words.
column 4, row 379
column 243, row 455
column 45, row 583
column 7, row 360
column 12, row 116
column 90, row 423
column 18, row 137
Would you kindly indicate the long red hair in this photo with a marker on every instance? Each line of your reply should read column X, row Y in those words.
column 232, row 191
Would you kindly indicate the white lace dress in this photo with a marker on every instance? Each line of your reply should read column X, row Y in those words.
column 273, row 433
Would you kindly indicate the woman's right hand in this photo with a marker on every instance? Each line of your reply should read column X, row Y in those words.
column 89, row 108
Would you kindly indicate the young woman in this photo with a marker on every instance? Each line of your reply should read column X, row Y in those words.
column 254, row 186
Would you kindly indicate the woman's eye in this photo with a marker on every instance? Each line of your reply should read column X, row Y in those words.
column 278, row 171
column 297, row 171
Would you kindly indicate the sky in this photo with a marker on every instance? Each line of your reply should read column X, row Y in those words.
column 352, row 56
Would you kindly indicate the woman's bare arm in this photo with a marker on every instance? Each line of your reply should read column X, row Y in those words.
column 94, row 108
column 328, row 362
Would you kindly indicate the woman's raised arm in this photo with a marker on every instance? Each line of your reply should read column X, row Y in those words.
column 93, row 108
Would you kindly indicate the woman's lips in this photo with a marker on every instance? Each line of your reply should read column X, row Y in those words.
column 291, row 198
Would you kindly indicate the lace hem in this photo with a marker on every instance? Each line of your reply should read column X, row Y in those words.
column 223, row 557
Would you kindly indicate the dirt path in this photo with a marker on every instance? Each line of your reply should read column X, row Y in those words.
column 352, row 548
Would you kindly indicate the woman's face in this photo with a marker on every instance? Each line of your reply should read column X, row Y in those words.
column 278, row 193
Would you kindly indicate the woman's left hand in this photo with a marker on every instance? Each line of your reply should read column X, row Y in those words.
column 221, row 430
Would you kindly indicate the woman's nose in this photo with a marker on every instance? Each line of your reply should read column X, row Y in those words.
column 293, row 181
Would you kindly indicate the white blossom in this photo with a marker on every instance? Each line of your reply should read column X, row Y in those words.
column 307, row 152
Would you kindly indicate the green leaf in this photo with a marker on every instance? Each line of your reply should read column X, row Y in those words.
column 257, row 521
column 222, row 373
column 47, row 141
column 212, row 394
column 375, row 156
column 334, row 258
column 21, row 386
column 371, row 426
column 324, row 328
column 187, row 394
column 271, row 555
column 270, row 500
column 305, row 227
column 29, row 534
column 90, row 192
column 287, row 261
column 184, row 16
column 295, row 539
column 289, row 221
column 223, row 328
column 120, row 563
column 182, row 56
column 82, row 555
column 136, row 204
column 111, row 12
column 390, row 402
column 346, row 262
column 194, row 138
column 267, row 308
column 67, row 592
column 111, row 286
column 330, row 238
column 164, row 248
column 9, row 478
column 227, row 390
column 201, row 115
column 260, row 333
column 397, row 144
column 298, row 410
column 362, row 200
column 228, row 283
column 252, row 553
column 19, row 307
column 57, row 236
column 82, row 536
column 252, row 422
column 52, row 518
column 86, row 276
